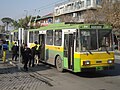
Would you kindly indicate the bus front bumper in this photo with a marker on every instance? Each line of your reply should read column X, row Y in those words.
column 100, row 68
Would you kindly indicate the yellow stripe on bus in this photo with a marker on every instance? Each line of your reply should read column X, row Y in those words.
column 55, row 48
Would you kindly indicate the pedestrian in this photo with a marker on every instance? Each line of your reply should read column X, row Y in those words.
column 4, row 51
column 1, row 42
column 15, row 50
column 22, row 52
column 26, row 56
column 33, row 50
column 37, row 52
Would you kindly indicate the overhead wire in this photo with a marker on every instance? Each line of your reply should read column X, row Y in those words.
column 40, row 9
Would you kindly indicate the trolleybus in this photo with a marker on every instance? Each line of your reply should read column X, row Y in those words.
column 76, row 47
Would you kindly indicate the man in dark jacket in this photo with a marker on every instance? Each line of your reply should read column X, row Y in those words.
column 26, row 56
column 22, row 52
column 15, row 50
column 33, row 52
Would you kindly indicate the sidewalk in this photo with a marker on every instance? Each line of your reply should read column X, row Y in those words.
column 9, row 62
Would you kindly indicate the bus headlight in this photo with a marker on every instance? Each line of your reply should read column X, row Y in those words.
column 110, row 61
column 86, row 62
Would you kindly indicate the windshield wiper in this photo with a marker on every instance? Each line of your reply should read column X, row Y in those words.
column 88, row 50
column 105, row 46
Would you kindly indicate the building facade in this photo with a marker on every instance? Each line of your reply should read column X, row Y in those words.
column 74, row 10
column 42, row 21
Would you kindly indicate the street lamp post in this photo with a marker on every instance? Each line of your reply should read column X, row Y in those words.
column 26, row 12
column 31, row 19
column 36, row 18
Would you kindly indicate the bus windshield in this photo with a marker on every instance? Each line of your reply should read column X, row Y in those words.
column 96, row 40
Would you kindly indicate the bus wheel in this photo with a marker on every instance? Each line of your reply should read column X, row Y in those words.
column 59, row 64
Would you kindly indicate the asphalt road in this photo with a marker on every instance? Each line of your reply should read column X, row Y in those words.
column 46, row 77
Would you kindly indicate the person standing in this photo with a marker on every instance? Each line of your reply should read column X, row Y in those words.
column 22, row 52
column 26, row 56
column 33, row 50
column 4, row 51
column 37, row 52
column 1, row 47
column 15, row 50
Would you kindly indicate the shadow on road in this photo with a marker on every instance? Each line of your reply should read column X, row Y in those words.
column 98, row 74
column 7, row 68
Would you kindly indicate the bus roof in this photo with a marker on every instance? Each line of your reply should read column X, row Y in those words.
column 58, row 26
column 71, row 25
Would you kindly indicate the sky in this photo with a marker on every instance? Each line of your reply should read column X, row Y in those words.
column 16, row 9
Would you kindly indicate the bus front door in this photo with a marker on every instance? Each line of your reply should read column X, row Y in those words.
column 69, row 51
column 42, row 43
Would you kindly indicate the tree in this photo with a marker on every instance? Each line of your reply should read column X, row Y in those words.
column 107, row 13
column 15, row 24
column 23, row 22
column 7, row 21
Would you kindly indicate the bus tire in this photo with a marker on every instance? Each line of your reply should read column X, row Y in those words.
column 59, row 65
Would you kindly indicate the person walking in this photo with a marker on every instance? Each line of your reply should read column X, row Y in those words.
column 15, row 50
column 4, row 51
column 26, row 56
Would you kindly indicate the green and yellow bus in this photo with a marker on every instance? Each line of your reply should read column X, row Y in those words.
column 74, row 46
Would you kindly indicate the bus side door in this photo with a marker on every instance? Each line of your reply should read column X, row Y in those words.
column 69, row 50
column 42, row 43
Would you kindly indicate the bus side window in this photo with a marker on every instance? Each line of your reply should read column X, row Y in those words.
column 77, row 42
column 58, row 37
column 49, row 37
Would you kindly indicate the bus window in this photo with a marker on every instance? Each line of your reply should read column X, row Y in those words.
column 49, row 40
column 66, row 43
column 15, row 36
column 30, row 37
column 36, row 36
column 105, row 40
column 86, row 42
column 77, row 41
column 95, row 40
column 58, row 38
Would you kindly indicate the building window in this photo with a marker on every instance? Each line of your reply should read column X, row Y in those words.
column 58, row 38
column 82, row 4
column 49, row 40
column 88, row 2
column 98, row 2
column 77, row 5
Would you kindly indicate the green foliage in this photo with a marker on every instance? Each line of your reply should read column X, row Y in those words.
column 7, row 20
column 21, row 23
